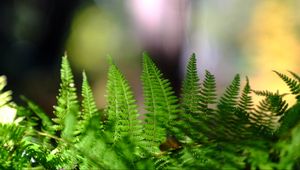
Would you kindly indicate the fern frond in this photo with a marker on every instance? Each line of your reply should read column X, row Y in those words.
column 229, row 99
column 296, row 76
column 190, row 99
column 245, row 103
column 88, row 104
column 208, row 95
column 226, row 119
column 121, row 108
column 269, row 111
column 203, row 121
column 160, row 102
column 191, row 88
column 67, row 108
column 293, row 84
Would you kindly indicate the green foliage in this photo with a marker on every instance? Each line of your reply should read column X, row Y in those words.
column 198, row 131
column 160, row 103
column 293, row 84
column 88, row 104
column 191, row 88
column 67, row 108
column 121, row 108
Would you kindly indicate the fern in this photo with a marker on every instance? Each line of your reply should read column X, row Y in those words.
column 293, row 84
column 226, row 109
column 268, row 112
column 245, row 103
column 208, row 96
column 199, row 132
column 89, row 108
column 190, row 99
column 67, row 103
column 228, row 101
column 191, row 88
column 122, row 110
column 160, row 102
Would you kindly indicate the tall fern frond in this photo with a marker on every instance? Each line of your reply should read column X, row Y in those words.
column 190, row 99
column 226, row 118
column 88, row 104
column 160, row 102
column 191, row 88
column 207, row 100
column 67, row 108
column 121, row 108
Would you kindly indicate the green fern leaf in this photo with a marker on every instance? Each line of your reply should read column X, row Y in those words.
column 208, row 96
column 191, row 88
column 269, row 111
column 246, row 104
column 122, row 110
column 228, row 101
column 296, row 76
column 67, row 108
column 226, row 119
column 160, row 101
column 88, row 104
column 293, row 84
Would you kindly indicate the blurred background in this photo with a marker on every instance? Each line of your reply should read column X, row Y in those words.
column 250, row 37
